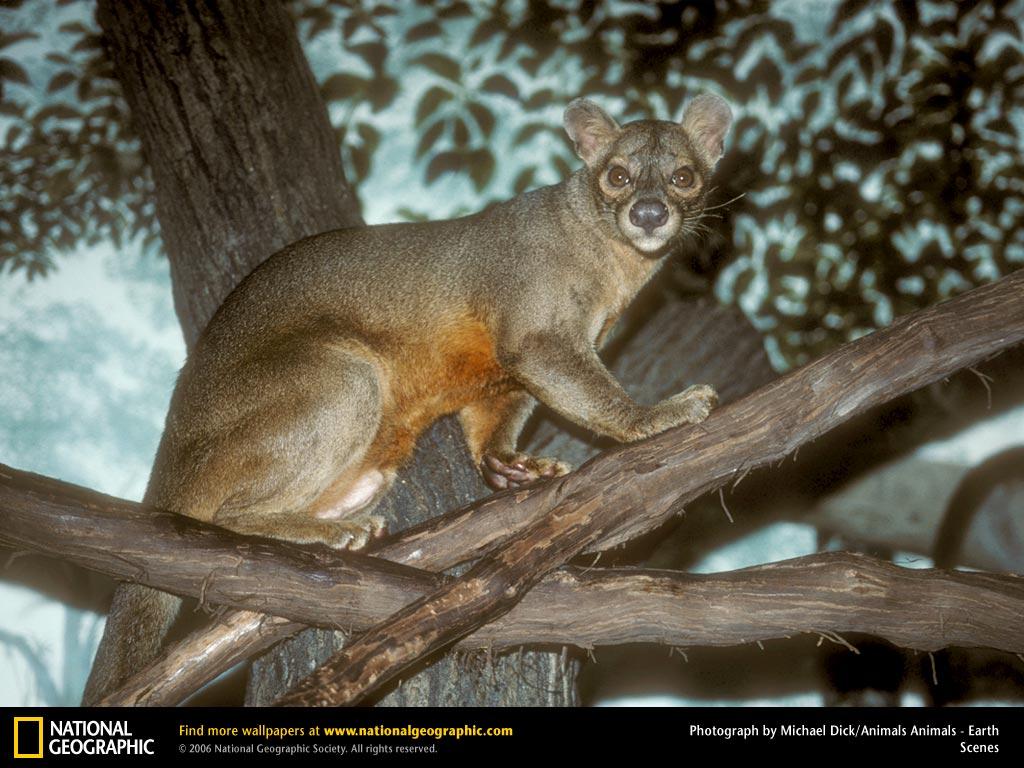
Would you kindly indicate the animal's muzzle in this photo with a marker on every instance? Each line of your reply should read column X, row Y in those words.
column 648, row 214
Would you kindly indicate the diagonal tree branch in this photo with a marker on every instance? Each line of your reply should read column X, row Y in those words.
column 826, row 594
column 676, row 329
column 630, row 490
column 956, row 334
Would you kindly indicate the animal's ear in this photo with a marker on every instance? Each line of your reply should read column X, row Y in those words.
column 707, row 119
column 590, row 128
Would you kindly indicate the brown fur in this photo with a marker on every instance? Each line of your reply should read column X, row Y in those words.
column 311, row 384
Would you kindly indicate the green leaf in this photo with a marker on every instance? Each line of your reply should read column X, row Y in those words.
column 508, row 47
column 541, row 98
column 527, row 132
column 429, row 138
column 483, row 116
column 382, row 93
column 485, row 30
column 410, row 215
column 455, row 10
column 429, row 103
column 374, row 54
column 441, row 65
column 10, row 70
column 369, row 136
column 360, row 162
column 423, row 31
column 84, row 91
column 13, row 133
column 320, row 20
column 481, row 168
column 350, row 26
column 501, row 84
column 58, row 111
column 531, row 65
column 8, row 40
column 460, row 134
column 73, row 28
column 61, row 80
column 88, row 43
column 443, row 162
column 524, row 180
column 341, row 87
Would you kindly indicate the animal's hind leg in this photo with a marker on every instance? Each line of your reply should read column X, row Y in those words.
column 304, row 478
column 492, row 430
column 342, row 517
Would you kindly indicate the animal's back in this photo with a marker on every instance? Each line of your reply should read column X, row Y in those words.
column 411, row 301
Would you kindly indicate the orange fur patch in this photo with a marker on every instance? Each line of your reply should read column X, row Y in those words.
column 456, row 367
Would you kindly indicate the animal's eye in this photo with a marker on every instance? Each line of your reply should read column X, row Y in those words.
column 683, row 177
column 618, row 176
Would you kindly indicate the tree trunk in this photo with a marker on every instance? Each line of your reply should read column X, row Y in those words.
column 440, row 477
column 245, row 161
column 235, row 133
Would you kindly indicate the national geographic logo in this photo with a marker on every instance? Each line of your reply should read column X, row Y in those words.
column 76, row 737
column 28, row 737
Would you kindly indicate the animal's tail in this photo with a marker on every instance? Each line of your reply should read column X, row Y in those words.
column 138, row 622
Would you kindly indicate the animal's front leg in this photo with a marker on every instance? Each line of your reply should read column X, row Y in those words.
column 492, row 429
column 573, row 381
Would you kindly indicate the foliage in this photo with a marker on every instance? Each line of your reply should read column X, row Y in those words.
column 70, row 166
column 878, row 152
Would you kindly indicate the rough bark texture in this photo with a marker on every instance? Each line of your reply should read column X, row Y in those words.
column 245, row 161
column 957, row 333
column 664, row 345
column 440, row 476
column 399, row 549
column 824, row 594
column 235, row 133
column 631, row 490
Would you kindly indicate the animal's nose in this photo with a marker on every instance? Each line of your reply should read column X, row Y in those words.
column 648, row 214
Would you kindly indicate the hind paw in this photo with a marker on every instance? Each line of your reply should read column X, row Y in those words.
column 355, row 533
column 518, row 469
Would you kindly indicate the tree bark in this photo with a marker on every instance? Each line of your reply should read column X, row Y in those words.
column 824, row 594
column 663, row 345
column 756, row 430
column 631, row 490
column 245, row 161
column 228, row 197
column 236, row 136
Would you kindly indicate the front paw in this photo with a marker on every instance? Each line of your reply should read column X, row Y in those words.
column 513, row 470
column 693, row 405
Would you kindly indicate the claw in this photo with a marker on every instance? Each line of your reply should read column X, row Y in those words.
column 519, row 470
column 354, row 534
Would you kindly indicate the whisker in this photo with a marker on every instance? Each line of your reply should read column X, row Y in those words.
column 727, row 202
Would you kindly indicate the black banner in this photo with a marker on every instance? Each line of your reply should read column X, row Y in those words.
column 200, row 736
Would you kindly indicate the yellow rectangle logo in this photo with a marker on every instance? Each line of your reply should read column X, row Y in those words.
column 31, row 742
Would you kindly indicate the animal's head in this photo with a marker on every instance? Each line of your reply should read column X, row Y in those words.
column 649, row 179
